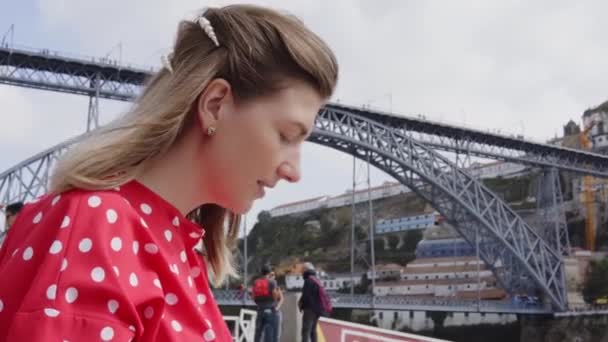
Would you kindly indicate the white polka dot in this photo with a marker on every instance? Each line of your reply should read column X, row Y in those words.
column 112, row 216
column 208, row 322
column 176, row 221
column 196, row 271
column 56, row 199
column 209, row 335
column 112, row 306
column 107, row 334
column 145, row 208
column 37, row 218
column 195, row 235
column 94, row 201
column 98, row 274
column 56, row 247
column 174, row 268
column 149, row 312
column 66, row 222
column 71, row 295
column 64, row 265
column 151, row 248
column 85, row 245
column 157, row 283
column 51, row 292
column 116, row 244
column 143, row 223
column 201, row 298
column 1, row 305
column 171, row 299
column 117, row 188
column 190, row 281
column 168, row 235
column 132, row 328
column 176, row 326
column 51, row 312
column 135, row 247
column 116, row 270
column 182, row 256
column 28, row 253
column 133, row 280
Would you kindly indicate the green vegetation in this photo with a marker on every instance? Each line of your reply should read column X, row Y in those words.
column 596, row 286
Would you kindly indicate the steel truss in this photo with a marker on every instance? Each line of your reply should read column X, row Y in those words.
column 30, row 178
column 471, row 142
column 48, row 71
column 519, row 257
column 551, row 212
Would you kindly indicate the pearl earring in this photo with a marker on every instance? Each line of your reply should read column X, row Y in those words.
column 210, row 131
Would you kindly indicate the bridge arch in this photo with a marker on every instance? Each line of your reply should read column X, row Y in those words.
column 517, row 254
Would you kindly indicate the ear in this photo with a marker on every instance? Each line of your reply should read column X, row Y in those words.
column 217, row 95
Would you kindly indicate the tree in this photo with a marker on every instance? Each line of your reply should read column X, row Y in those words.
column 596, row 285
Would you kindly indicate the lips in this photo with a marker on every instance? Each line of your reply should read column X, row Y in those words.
column 261, row 188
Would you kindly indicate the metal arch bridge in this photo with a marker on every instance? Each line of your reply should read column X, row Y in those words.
column 405, row 148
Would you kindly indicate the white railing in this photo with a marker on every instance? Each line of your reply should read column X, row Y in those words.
column 243, row 325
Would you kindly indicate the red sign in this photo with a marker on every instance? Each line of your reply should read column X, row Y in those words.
column 331, row 330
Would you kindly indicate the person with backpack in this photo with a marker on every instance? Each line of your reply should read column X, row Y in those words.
column 268, row 297
column 314, row 303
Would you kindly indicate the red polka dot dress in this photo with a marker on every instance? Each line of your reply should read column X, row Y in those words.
column 115, row 265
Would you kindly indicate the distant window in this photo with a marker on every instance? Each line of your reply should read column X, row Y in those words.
column 380, row 315
column 396, row 315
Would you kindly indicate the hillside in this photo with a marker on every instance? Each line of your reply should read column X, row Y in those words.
column 322, row 236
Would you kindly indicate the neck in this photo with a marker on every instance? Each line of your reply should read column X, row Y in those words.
column 175, row 177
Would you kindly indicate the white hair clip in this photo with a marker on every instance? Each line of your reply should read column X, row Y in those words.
column 206, row 26
column 166, row 62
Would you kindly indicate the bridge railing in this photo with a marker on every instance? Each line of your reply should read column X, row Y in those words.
column 104, row 61
column 367, row 301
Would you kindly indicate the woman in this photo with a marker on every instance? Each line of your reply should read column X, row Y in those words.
column 108, row 254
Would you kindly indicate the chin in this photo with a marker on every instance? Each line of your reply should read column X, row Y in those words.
column 241, row 208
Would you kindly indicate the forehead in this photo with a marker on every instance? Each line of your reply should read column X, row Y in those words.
column 296, row 102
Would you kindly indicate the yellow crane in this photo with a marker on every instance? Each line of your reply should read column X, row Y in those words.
column 587, row 192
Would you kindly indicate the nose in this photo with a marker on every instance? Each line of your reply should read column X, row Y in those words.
column 290, row 169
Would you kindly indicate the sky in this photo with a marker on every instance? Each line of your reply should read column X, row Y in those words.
column 520, row 67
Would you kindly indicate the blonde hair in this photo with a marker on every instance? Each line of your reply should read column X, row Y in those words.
column 259, row 51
